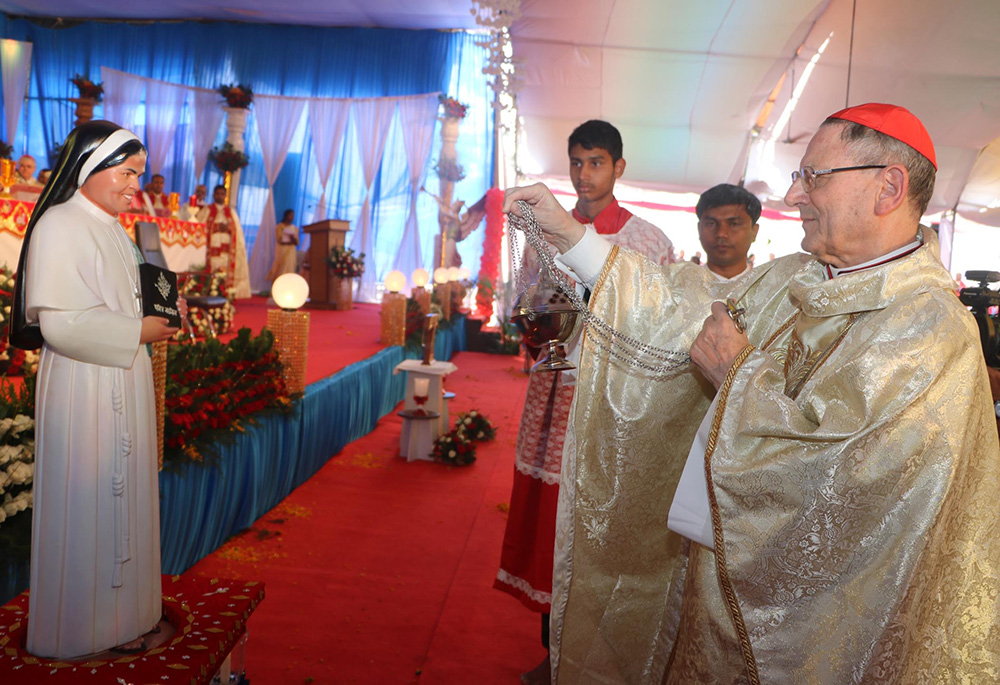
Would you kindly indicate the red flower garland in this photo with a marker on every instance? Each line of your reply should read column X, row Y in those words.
column 489, row 264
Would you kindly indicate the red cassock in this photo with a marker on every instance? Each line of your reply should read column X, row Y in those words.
column 529, row 540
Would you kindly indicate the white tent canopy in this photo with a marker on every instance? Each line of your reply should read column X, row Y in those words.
column 688, row 82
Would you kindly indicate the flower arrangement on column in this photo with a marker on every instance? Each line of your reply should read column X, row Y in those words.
column 345, row 266
column 90, row 94
column 237, row 98
column 228, row 160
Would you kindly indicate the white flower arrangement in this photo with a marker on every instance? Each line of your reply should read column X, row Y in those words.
column 17, row 465
column 13, row 505
column 222, row 317
column 475, row 426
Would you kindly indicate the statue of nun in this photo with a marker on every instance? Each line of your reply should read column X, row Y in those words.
column 95, row 544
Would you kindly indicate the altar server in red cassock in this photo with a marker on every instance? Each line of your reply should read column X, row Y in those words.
column 596, row 162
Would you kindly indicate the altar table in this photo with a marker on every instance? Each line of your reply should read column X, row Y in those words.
column 183, row 242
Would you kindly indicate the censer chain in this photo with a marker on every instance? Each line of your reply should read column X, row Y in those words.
column 623, row 348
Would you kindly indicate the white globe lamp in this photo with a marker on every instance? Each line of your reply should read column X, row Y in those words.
column 290, row 291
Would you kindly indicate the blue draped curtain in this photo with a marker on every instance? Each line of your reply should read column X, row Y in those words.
column 278, row 60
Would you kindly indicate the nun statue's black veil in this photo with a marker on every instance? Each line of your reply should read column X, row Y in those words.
column 62, row 184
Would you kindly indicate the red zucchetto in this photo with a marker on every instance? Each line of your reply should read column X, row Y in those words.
column 894, row 121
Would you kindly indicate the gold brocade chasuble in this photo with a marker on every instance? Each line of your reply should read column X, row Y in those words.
column 854, row 481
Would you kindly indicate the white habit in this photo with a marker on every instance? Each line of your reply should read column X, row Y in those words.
column 95, row 546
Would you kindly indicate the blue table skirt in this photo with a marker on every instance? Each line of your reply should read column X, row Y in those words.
column 200, row 507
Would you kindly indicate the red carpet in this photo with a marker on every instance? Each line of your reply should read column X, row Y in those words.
column 336, row 339
column 380, row 571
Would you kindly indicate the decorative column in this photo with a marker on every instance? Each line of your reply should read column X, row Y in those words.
column 236, row 126
column 84, row 109
column 290, row 328
column 449, row 172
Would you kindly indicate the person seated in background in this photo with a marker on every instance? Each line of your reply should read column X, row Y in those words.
column 286, row 253
column 43, row 176
column 152, row 200
column 24, row 172
column 195, row 203
column 727, row 226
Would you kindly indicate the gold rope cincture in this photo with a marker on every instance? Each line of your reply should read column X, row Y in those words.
column 720, row 551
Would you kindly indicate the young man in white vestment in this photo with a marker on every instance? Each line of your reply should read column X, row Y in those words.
column 95, row 548
column 727, row 226
column 833, row 510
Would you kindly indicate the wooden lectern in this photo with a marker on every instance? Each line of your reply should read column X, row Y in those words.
column 323, row 237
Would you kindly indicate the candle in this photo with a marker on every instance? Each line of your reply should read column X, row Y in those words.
column 421, row 387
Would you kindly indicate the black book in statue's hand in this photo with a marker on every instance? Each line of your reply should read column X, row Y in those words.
column 159, row 293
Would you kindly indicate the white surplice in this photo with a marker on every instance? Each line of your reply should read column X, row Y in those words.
column 95, row 547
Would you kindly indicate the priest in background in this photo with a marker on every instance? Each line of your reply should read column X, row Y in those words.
column 195, row 203
column 153, row 201
column 24, row 172
column 226, row 251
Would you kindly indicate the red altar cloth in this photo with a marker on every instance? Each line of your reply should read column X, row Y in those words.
column 14, row 215
column 209, row 615
column 183, row 242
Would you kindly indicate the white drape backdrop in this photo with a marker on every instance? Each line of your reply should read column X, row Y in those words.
column 277, row 119
column 15, row 64
column 371, row 118
column 418, row 118
column 329, row 120
column 163, row 110
column 122, row 97
column 164, row 102
column 208, row 116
